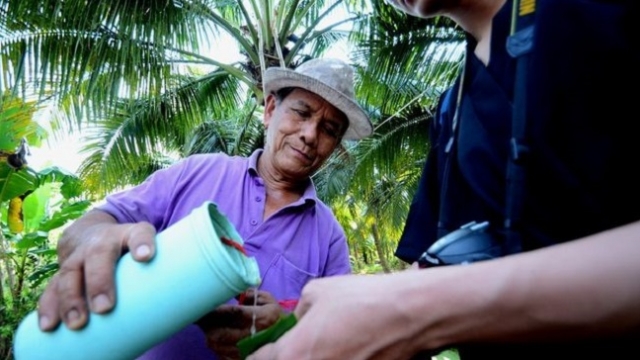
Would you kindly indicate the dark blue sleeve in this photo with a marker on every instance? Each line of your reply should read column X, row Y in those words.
column 421, row 226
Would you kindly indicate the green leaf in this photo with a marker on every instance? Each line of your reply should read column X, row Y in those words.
column 65, row 214
column 16, row 182
column 42, row 273
column 33, row 239
column 45, row 252
column 34, row 207
column 448, row 354
column 251, row 343
column 16, row 122
column 71, row 184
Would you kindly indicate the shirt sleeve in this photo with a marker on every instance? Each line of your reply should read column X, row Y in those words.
column 421, row 225
column 338, row 262
column 148, row 201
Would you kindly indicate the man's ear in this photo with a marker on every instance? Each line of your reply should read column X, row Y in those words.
column 269, row 108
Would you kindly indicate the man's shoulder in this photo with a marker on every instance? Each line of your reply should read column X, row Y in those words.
column 326, row 213
column 212, row 160
column 322, row 207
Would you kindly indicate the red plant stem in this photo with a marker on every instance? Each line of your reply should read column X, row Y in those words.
column 233, row 244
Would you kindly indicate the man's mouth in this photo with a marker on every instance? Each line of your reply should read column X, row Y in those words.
column 303, row 154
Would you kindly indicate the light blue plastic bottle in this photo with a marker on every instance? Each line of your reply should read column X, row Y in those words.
column 192, row 273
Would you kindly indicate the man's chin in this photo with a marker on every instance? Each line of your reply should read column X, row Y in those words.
column 302, row 172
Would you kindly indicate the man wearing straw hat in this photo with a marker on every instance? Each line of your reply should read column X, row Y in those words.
column 269, row 197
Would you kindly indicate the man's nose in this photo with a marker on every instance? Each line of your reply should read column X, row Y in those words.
column 309, row 132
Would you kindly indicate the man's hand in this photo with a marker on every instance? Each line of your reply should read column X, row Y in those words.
column 228, row 324
column 347, row 317
column 87, row 253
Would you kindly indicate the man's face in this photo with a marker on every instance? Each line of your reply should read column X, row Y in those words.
column 423, row 8
column 302, row 132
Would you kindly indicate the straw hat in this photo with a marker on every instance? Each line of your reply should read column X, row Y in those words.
column 332, row 79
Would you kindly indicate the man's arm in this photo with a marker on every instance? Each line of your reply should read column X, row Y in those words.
column 338, row 262
column 87, row 253
column 578, row 290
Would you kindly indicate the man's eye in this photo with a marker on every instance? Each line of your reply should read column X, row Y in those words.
column 302, row 113
column 331, row 131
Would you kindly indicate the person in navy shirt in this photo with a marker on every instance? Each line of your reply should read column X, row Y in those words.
column 571, row 289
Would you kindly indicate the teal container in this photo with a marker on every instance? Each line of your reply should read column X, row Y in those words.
column 192, row 273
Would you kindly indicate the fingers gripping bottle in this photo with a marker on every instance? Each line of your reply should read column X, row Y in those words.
column 194, row 270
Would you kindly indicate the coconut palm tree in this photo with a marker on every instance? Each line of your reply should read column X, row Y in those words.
column 140, row 75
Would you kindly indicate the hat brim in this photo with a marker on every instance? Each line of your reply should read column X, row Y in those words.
column 359, row 125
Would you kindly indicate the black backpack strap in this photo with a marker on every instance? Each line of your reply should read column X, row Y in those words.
column 519, row 46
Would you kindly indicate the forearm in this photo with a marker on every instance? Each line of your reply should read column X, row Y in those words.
column 580, row 289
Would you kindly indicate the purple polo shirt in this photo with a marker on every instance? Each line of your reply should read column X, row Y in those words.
column 296, row 244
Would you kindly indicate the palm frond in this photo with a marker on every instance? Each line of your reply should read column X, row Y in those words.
column 239, row 133
column 141, row 129
column 405, row 57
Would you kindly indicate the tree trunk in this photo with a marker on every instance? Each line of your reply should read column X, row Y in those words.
column 379, row 249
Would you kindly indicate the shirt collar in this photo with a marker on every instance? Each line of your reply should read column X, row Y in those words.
column 309, row 197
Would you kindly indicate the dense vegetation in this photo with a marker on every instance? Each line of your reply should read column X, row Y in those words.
column 143, row 82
